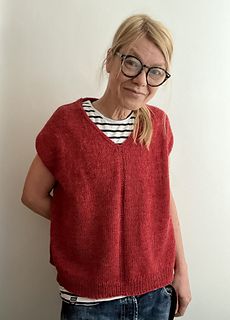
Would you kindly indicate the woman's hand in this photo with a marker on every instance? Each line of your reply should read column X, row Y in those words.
column 182, row 287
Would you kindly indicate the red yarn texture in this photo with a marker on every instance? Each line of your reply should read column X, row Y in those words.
column 111, row 229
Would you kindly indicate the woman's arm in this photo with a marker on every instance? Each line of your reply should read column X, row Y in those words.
column 38, row 185
column 181, row 279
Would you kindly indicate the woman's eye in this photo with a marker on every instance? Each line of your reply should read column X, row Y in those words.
column 156, row 72
column 132, row 63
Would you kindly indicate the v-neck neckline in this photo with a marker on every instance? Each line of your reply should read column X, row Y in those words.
column 102, row 134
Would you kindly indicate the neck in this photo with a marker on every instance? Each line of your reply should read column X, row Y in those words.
column 111, row 109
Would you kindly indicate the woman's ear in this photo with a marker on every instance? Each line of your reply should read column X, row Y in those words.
column 109, row 60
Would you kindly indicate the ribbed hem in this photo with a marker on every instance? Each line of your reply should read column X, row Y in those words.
column 137, row 286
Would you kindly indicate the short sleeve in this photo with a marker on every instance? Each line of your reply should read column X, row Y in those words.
column 49, row 143
column 169, row 134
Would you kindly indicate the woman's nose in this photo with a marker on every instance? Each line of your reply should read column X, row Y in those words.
column 141, row 79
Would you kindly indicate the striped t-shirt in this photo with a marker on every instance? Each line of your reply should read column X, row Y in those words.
column 118, row 131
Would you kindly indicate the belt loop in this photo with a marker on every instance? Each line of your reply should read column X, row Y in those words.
column 135, row 308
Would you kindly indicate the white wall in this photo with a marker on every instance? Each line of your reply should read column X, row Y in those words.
column 51, row 54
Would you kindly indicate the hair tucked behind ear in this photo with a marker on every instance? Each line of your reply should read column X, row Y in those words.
column 132, row 29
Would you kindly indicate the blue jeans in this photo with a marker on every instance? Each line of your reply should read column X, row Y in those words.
column 159, row 304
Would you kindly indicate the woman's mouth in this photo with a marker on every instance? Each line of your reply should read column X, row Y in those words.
column 134, row 92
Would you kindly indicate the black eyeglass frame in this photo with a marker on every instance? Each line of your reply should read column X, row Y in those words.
column 123, row 56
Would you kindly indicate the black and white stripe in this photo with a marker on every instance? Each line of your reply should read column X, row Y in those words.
column 117, row 130
column 74, row 299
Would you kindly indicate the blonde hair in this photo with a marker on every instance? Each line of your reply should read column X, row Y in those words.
column 132, row 29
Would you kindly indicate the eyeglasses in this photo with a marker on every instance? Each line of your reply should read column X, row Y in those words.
column 131, row 67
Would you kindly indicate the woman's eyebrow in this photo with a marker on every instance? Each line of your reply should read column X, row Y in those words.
column 134, row 53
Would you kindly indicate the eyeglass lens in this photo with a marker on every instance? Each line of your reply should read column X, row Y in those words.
column 131, row 67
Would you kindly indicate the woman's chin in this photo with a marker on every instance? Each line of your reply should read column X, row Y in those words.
column 132, row 104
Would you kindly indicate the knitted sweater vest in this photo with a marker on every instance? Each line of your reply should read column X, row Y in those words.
column 111, row 229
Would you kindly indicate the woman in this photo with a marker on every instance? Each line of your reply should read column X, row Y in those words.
column 115, row 235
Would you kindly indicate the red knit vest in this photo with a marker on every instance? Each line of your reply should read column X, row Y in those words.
column 111, row 229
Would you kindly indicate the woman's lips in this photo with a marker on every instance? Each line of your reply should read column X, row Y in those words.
column 134, row 91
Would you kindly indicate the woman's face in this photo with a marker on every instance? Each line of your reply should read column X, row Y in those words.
column 133, row 93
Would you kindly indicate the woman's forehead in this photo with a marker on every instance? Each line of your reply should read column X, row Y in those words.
column 146, row 51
